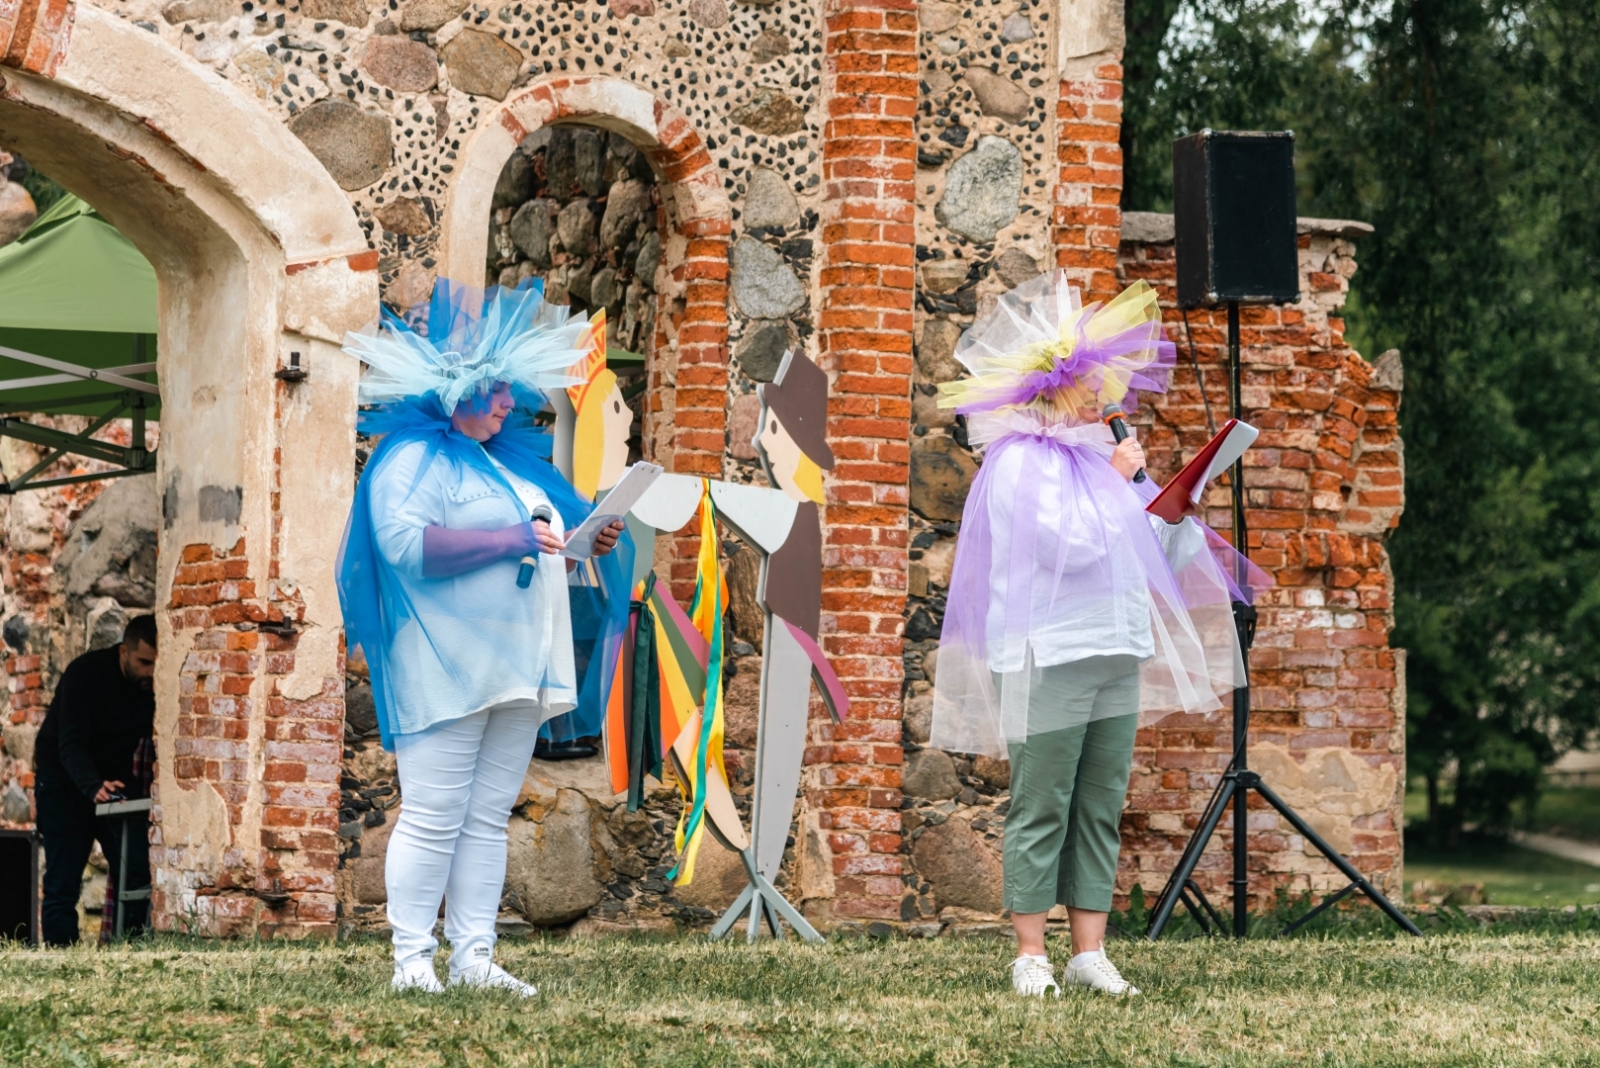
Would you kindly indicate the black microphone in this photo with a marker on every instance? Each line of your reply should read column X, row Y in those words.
column 1112, row 414
column 525, row 572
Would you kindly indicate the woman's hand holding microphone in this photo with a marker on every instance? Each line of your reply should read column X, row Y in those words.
column 540, row 538
column 537, row 537
column 1127, row 459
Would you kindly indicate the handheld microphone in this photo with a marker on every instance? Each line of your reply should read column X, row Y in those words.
column 1112, row 414
column 525, row 572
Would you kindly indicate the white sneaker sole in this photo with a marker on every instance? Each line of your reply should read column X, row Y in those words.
column 501, row 982
column 1131, row 991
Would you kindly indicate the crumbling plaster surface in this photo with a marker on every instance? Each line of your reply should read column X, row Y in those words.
column 228, row 206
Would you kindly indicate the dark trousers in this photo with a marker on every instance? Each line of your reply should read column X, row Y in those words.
column 69, row 828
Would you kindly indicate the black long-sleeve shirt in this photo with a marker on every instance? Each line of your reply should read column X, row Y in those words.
column 95, row 722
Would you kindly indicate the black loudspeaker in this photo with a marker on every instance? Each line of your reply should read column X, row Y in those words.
column 1234, row 212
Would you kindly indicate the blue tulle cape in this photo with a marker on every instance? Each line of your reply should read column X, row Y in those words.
column 375, row 605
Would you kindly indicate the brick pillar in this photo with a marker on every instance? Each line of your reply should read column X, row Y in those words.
column 689, row 366
column 867, row 281
column 1088, row 214
column 700, row 393
column 235, row 728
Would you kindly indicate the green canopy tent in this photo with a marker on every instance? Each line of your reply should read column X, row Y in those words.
column 77, row 335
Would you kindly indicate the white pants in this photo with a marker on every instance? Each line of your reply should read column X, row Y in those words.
column 457, row 785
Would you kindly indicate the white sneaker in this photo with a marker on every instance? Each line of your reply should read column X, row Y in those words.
column 491, row 976
column 1094, row 971
column 418, row 975
column 1031, row 976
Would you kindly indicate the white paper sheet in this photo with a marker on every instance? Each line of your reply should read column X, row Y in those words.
column 612, row 507
column 1240, row 438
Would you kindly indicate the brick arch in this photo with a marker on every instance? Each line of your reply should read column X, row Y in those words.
column 257, row 254
column 687, row 417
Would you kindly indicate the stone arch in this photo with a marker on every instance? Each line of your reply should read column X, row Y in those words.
column 258, row 255
column 688, row 372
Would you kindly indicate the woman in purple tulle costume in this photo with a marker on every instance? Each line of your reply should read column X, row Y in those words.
column 1073, row 616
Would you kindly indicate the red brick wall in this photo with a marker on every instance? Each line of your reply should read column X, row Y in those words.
column 1087, row 220
column 867, row 282
column 234, row 729
column 1323, row 491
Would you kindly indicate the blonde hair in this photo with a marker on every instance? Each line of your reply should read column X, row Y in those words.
column 808, row 477
column 588, row 399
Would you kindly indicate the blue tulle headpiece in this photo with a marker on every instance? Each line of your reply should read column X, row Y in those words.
column 465, row 341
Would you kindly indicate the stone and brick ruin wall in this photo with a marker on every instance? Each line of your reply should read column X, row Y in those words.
column 861, row 178
column 1324, row 488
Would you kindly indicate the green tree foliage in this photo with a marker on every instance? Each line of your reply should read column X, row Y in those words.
column 1468, row 133
column 43, row 190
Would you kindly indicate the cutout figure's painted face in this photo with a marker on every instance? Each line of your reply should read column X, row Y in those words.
column 603, row 422
column 481, row 416
column 616, row 420
column 796, row 474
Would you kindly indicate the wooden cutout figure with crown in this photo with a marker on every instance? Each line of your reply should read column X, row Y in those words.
column 665, row 702
column 593, row 422
column 590, row 449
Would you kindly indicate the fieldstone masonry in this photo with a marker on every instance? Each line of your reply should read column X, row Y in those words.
column 728, row 178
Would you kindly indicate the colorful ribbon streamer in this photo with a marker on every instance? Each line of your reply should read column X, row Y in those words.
column 670, row 668
column 710, row 601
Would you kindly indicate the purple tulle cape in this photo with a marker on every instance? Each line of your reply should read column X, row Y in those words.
column 1057, row 561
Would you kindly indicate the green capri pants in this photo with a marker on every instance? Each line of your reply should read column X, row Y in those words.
column 1068, row 784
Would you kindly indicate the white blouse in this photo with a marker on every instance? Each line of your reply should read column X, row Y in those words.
column 473, row 640
column 1116, row 626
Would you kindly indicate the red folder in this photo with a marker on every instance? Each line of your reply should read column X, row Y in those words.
column 1218, row 455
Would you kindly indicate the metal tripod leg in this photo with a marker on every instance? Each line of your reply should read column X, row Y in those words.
column 1355, row 877
column 1191, row 856
column 122, row 881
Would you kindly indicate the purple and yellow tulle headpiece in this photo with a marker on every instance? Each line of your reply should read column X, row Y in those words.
column 1042, row 352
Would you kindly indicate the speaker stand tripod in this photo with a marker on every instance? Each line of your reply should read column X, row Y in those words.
column 1239, row 780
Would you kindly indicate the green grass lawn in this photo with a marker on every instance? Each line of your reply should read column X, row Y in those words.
column 1510, row 875
column 1456, row 999
column 1570, row 813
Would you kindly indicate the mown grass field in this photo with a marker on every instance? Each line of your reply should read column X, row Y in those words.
column 1571, row 812
column 1509, row 874
column 1458, row 999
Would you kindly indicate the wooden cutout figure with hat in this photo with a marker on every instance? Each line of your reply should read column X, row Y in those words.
column 793, row 445
column 784, row 524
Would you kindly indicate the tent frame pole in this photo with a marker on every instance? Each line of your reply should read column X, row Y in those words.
column 133, row 460
column 132, row 399
column 115, row 376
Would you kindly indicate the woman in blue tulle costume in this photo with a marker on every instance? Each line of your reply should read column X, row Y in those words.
column 469, row 655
